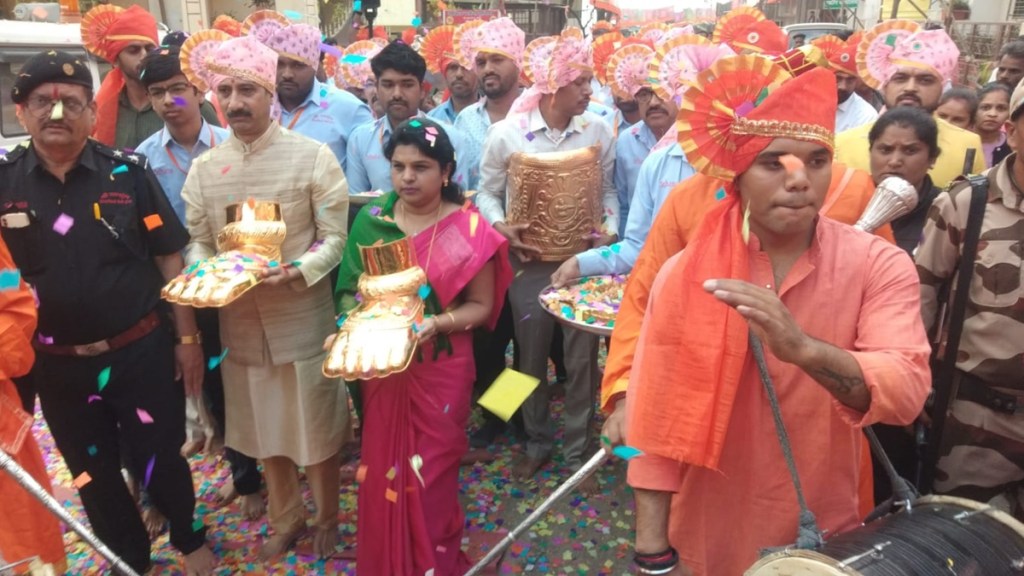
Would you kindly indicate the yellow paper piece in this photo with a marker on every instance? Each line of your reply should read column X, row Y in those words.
column 508, row 392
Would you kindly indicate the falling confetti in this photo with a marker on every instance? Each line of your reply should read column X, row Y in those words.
column 93, row 398
column 791, row 163
column 216, row 360
column 179, row 101
column 361, row 473
column 332, row 50
column 720, row 194
column 416, row 22
column 91, row 450
column 103, row 378
column 10, row 279
column 353, row 59
column 144, row 416
column 474, row 221
column 62, row 224
column 292, row 15
column 417, row 462
column 119, row 170
column 424, row 291
column 153, row 221
column 626, row 452
column 391, row 495
column 391, row 473
column 81, row 480
column 149, row 471
column 197, row 525
column 224, row 170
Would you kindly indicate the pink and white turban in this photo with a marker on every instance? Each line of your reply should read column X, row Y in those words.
column 299, row 42
column 244, row 58
column 553, row 62
column 678, row 61
column 894, row 44
column 500, row 36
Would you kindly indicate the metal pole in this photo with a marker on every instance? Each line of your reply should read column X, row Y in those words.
column 32, row 487
column 499, row 549
column 895, row 9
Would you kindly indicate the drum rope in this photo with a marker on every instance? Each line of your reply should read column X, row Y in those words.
column 809, row 536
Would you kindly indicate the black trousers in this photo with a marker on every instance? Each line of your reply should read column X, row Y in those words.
column 244, row 471
column 89, row 425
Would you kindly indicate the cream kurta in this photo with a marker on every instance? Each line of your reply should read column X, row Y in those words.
column 277, row 402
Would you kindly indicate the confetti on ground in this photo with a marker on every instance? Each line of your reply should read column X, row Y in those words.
column 596, row 531
column 103, row 379
column 10, row 279
column 216, row 360
column 144, row 416
column 62, row 224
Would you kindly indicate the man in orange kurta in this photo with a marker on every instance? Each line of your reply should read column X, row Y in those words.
column 834, row 308
column 27, row 529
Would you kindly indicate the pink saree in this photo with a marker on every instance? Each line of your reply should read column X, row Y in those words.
column 410, row 519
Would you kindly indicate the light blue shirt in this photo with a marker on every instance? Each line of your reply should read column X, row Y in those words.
column 443, row 113
column 662, row 170
column 611, row 116
column 368, row 169
column 170, row 161
column 328, row 115
column 631, row 149
column 472, row 123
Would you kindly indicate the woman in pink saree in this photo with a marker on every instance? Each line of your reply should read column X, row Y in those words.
column 410, row 519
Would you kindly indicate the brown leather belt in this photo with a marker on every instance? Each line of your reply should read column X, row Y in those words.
column 141, row 328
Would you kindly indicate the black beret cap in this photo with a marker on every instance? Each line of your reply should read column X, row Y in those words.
column 50, row 66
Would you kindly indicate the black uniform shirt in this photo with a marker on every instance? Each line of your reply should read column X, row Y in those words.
column 95, row 278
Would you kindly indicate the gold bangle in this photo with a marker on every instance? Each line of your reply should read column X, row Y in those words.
column 196, row 338
column 451, row 317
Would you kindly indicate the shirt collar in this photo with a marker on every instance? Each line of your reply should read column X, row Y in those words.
column 204, row 135
column 537, row 123
column 675, row 150
column 87, row 158
column 384, row 125
column 1003, row 187
column 124, row 102
column 261, row 143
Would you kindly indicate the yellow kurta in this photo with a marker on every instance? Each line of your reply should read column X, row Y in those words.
column 852, row 150
column 277, row 402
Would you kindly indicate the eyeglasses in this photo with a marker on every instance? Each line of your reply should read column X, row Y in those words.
column 42, row 106
column 178, row 89
column 644, row 96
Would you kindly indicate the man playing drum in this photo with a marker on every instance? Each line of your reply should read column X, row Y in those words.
column 712, row 487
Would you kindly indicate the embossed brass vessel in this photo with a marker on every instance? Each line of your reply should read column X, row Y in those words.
column 559, row 195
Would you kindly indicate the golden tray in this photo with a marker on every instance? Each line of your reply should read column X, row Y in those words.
column 569, row 306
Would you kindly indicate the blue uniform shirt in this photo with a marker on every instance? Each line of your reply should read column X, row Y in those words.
column 170, row 161
column 444, row 113
column 472, row 124
column 631, row 149
column 369, row 170
column 662, row 170
column 328, row 115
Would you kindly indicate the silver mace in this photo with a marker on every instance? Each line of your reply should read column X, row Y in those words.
column 499, row 549
column 32, row 487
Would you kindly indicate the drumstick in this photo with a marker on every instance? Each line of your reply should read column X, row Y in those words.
column 499, row 549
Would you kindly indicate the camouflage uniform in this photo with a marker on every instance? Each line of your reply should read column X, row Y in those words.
column 982, row 454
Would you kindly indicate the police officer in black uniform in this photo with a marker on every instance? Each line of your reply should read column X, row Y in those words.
column 92, row 232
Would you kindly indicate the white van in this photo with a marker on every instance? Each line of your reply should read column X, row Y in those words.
column 19, row 41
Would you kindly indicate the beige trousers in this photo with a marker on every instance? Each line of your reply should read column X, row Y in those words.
column 286, row 511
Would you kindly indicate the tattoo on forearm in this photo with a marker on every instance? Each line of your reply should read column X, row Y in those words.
column 841, row 383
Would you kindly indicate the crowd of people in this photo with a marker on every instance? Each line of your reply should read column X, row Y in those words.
column 723, row 172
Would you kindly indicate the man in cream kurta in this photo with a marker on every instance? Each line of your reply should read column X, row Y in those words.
column 280, row 408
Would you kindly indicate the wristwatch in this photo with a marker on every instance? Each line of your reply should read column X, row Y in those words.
column 196, row 338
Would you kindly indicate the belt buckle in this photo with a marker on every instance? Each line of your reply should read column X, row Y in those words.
column 93, row 349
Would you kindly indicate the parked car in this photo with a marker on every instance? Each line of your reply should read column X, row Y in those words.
column 811, row 30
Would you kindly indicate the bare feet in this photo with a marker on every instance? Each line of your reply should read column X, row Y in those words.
column 325, row 542
column 214, row 445
column 226, row 494
column 526, row 467
column 589, row 486
column 154, row 521
column 190, row 449
column 279, row 544
column 349, row 471
column 200, row 562
column 474, row 455
column 252, row 506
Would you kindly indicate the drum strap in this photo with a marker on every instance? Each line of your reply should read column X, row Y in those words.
column 809, row 536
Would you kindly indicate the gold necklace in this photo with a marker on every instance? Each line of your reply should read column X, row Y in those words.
column 433, row 234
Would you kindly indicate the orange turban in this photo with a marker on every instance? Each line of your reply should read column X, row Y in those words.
column 106, row 31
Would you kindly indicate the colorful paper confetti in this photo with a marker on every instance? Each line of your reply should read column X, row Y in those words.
column 62, row 224
column 122, row 169
column 103, row 379
column 391, row 495
column 353, row 59
column 216, row 360
column 292, row 15
column 224, row 170
column 179, row 101
column 416, row 462
column 10, row 279
column 626, row 452
column 92, row 450
column 93, row 398
column 81, row 480
column 424, row 291
column 144, row 416
column 153, row 221
column 149, row 471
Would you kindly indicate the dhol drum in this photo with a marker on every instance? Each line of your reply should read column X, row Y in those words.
column 941, row 535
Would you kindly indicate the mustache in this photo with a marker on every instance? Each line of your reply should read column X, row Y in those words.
column 656, row 109
column 239, row 114
column 56, row 125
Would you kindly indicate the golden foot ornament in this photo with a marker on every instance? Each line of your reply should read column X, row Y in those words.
column 249, row 244
column 378, row 338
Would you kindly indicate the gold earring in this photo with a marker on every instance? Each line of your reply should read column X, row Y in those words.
column 446, row 182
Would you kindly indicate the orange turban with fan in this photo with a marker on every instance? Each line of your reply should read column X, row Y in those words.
column 106, row 31
column 731, row 113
